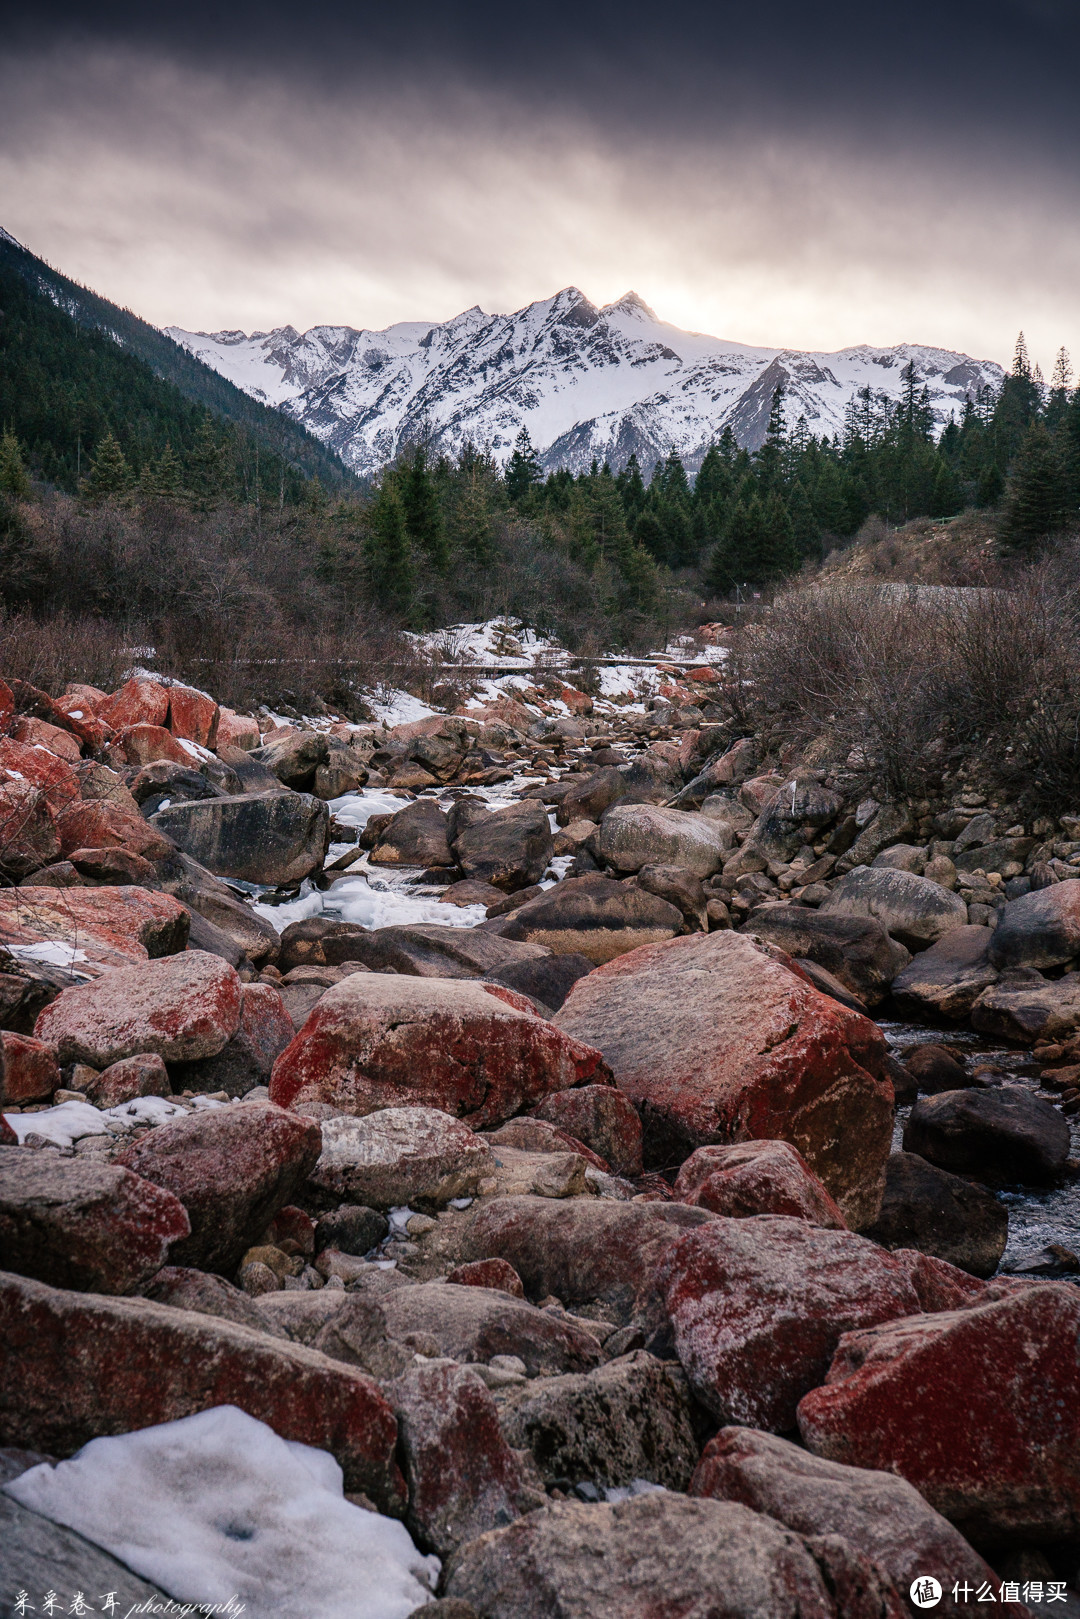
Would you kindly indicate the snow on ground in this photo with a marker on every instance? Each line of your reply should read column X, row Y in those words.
column 392, row 707
column 217, row 1506
column 69, row 1122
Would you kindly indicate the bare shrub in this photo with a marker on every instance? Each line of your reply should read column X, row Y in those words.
column 55, row 651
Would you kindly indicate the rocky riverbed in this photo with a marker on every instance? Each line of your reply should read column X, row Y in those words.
column 619, row 1176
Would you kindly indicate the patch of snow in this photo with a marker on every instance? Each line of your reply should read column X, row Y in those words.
column 308, row 903
column 392, row 707
column 217, row 1505
column 196, row 749
column 356, row 809
column 63, row 1125
column 50, row 952
column 640, row 1486
column 374, row 903
column 149, row 1110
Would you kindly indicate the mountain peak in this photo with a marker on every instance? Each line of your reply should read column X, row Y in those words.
column 631, row 303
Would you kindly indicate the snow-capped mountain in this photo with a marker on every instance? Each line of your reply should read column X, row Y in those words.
column 585, row 382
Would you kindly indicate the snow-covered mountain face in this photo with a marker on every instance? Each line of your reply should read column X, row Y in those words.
column 585, row 382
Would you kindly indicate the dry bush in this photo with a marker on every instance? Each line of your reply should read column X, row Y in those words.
column 52, row 652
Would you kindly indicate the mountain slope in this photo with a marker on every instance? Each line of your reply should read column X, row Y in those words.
column 585, row 382
column 74, row 366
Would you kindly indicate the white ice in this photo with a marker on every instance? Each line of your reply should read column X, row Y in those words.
column 217, row 1505
column 50, row 952
column 70, row 1121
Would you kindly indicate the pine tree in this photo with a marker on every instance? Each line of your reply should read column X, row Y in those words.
column 163, row 478
column 1039, row 502
column 830, row 506
column 422, row 511
column 713, row 479
column 209, row 465
column 523, row 471
column 649, row 535
column 631, row 486
column 947, row 498
column 777, row 551
column 14, row 478
column 388, row 554
column 770, row 458
column 804, row 525
column 110, row 477
column 991, row 485
column 745, row 541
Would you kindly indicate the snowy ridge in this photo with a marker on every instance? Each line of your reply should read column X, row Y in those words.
column 585, row 382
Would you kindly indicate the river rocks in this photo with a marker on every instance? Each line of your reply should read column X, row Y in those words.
column 400, row 1155
column 415, row 836
column 1002, row 855
column 28, row 1070
column 913, row 909
column 652, row 1555
column 715, row 1040
column 494, row 1273
column 948, row 978
column 318, row 941
column 995, row 1453
column 758, row 1307
column 294, row 758
column 232, row 1168
column 589, row 796
column 1024, row 1007
column 892, row 823
column 880, row 1514
column 247, row 1059
column 351, row 1228
column 139, row 701
column 74, row 1366
column 631, row 1419
column 1001, row 1136
column 463, row 1478
column 110, row 927
column 55, row 779
column 1040, row 929
column 510, row 848
column 100, row 823
column 545, row 978
column 935, row 1068
column 475, row 1323
column 581, row 1250
column 681, row 889
column 636, row 835
column 940, row 1214
column 426, row 950
column 798, row 806
column 145, row 1075
column 145, row 744
column 595, row 917
column 187, row 1289
column 855, row 950
column 28, row 838
column 258, row 838
column 75, row 1223
column 183, row 1007
column 756, row 1177
column 601, row 1117
column 208, row 897
column 375, row 1041
column 193, row 715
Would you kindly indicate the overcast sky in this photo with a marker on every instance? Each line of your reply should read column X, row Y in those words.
column 787, row 174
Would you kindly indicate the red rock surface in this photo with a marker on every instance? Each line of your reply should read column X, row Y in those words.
column 494, row 1273
column 131, row 1077
column 28, row 1070
column 74, row 1222
column 463, row 1478
column 880, row 1514
column 603, row 1118
column 236, row 731
column 119, row 866
column 77, row 1365
column 232, row 1168
column 82, row 720
column 530, row 1134
column 716, row 1039
column 56, row 778
column 7, row 705
column 138, row 702
column 39, row 733
column 978, row 1408
column 193, row 715
column 757, row 1177
column 182, row 1007
column 758, row 1307
column 100, row 824
column 112, row 927
column 377, row 1041
column 28, row 836
column 143, row 744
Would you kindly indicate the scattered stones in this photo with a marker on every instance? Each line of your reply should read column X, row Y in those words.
column 182, row 1007
column 476, row 1323
column 256, row 837
column 232, row 1168
column 1023, row 1007
column 715, row 1039
column 756, row 1177
column 1002, row 1465
column 75, row 1223
column 1001, row 1136
column 401, row 1155
column 186, row 1289
column 913, row 909
column 936, row 1068
column 375, row 1041
column 925, row 1207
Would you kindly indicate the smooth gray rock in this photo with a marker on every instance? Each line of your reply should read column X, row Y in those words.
column 259, row 838
column 636, row 835
column 510, row 847
column 948, row 978
column 428, row 950
column 855, row 950
column 1005, row 1136
column 593, row 916
column 1040, row 929
column 940, row 1214
column 913, row 909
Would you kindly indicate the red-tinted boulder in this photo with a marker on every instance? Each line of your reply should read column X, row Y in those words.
column 182, row 1007
column 55, row 778
column 759, row 1305
column 120, row 867
column 537, row 1135
column 264, row 1031
column 193, row 715
column 580, row 1249
column 603, row 1118
column 39, row 733
column 100, row 824
column 138, row 702
column 377, row 1041
column 97, row 928
column 292, row 1231
column 74, row 1222
column 28, row 837
column 77, row 1365
column 236, row 731
column 757, row 1177
column 143, row 744
column 232, row 1168
column 28, row 1071
column 463, row 1477
column 83, row 722
column 495, row 1273
column 978, row 1408
column 878, row 1513
column 123, row 1081
column 718, row 1039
